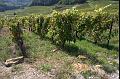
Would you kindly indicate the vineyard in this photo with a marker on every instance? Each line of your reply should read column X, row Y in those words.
column 65, row 28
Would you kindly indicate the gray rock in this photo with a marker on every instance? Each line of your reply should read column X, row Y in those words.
column 79, row 76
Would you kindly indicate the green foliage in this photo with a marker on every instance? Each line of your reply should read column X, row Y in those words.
column 1, row 23
column 63, row 26
column 4, row 22
column 40, row 21
column 67, row 26
column 89, row 74
column 43, row 23
column 100, row 24
column 109, row 68
column 15, row 27
column 5, row 42
column 45, row 67
column 96, row 27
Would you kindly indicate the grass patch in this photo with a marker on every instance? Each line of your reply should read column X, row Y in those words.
column 28, row 11
column 5, row 53
column 65, row 71
column 109, row 68
column 16, row 68
column 89, row 74
column 38, row 49
column 98, row 55
column 45, row 67
column 42, row 49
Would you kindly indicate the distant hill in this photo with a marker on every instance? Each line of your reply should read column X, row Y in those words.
column 44, row 2
column 17, row 2
column 51, row 2
column 4, row 7
column 13, row 4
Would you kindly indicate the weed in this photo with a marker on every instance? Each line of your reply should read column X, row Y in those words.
column 16, row 68
column 45, row 67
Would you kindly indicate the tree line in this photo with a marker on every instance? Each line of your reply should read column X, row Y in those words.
column 51, row 2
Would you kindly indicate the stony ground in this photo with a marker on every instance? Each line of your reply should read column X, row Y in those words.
column 28, row 71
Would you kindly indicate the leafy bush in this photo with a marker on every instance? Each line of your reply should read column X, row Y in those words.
column 63, row 26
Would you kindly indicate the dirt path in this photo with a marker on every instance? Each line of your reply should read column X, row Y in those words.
column 116, row 74
column 27, row 72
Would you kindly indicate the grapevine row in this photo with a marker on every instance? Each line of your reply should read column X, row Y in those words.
column 66, row 26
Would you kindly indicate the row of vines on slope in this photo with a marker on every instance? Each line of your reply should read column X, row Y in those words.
column 17, row 33
column 67, row 26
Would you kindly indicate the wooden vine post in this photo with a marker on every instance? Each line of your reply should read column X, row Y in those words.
column 110, row 32
column 17, row 33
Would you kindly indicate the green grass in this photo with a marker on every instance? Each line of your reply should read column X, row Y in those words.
column 36, row 10
column 45, row 67
column 91, row 6
column 6, row 45
column 99, row 55
column 28, row 11
column 41, row 53
column 89, row 74
column 5, row 42
column 42, row 49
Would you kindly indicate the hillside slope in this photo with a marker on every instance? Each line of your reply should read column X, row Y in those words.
column 51, row 2
column 16, row 2
column 13, row 4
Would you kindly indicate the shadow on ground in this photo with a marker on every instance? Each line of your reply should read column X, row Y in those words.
column 109, row 47
column 73, row 50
